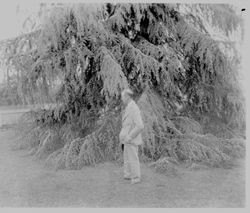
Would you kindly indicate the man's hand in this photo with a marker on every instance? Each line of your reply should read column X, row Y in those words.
column 127, row 139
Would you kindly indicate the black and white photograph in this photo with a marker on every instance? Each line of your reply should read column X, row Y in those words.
column 123, row 104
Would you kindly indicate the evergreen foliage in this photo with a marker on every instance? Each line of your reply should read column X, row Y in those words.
column 85, row 54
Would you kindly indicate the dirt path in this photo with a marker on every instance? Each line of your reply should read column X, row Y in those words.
column 27, row 183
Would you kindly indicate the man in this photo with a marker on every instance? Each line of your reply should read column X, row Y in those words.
column 130, row 136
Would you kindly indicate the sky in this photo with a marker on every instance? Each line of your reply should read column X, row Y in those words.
column 11, row 21
column 7, row 12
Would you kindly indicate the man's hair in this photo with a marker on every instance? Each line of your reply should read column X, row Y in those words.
column 128, row 91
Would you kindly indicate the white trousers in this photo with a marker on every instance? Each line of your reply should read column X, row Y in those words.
column 131, row 161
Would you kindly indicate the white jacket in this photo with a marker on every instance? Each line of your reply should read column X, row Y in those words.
column 132, row 122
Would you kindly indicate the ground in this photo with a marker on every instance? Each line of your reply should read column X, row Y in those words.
column 25, row 182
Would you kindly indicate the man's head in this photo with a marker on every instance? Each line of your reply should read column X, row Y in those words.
column 126, row 95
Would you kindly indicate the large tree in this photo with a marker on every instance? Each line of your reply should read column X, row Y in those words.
column 85, row 54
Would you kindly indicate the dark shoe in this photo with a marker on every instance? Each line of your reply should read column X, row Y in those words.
column 126, row 178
